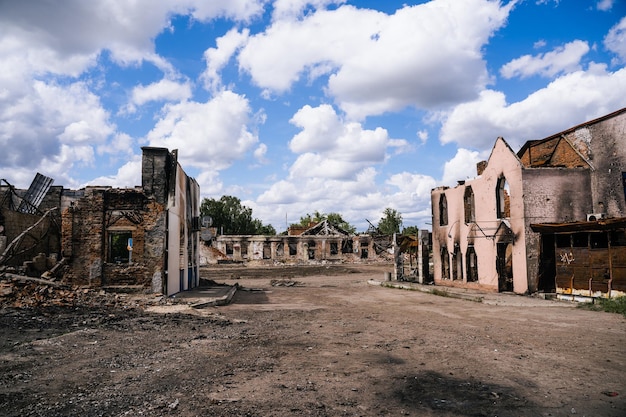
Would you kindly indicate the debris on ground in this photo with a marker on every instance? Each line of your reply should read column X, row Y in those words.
column 285, row 283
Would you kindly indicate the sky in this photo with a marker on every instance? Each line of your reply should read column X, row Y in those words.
column 297, row 106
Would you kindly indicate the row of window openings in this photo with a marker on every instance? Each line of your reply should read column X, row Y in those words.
column 471, row 266
column 346, row 247
column 597, row 240
column 503, row 203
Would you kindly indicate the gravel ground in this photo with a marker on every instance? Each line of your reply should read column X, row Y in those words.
column 314, row 342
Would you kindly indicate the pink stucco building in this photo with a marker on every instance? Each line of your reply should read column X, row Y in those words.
column 508, row 228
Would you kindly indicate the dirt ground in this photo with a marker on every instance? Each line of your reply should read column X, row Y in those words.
column 313, row 342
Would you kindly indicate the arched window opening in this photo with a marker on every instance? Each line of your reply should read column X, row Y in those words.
column 471, row 264
column 443, row 210
column 445, row 264
column 503, row 198
column 468, row 201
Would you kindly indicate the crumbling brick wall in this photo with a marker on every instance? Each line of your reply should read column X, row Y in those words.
column 87, row 229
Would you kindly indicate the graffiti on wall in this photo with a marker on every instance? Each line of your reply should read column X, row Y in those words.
column 567, row 258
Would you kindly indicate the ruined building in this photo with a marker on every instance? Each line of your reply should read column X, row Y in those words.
column 145, row 236
column 319, row 242
column 549, row 218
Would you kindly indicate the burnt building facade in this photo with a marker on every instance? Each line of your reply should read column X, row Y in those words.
column 147, row 236
column 514, row 226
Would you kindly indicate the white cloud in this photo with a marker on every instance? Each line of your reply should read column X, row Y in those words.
column 565, row 102
column 331, row 148
column 260, row 152
column 605, row 5
column 128, row 175
column 293, row 9
column 210, row 135
column 562, row 59
column 615, row 40
column 37, row 127
column 461, row 167
column 163, row 90
column 217, row 58
column 381, row 62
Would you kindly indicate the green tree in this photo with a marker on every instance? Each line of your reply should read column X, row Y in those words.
column 390, row 222
column 336, row 219
column 232, row 218
column 333, row 218
column 411, row 231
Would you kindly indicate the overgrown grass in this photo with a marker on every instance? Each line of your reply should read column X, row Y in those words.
column 610, row 305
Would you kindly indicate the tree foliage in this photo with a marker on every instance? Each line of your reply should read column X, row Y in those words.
column 411, row 231
column 232, row 218
column 390, row 222
column 334, row 218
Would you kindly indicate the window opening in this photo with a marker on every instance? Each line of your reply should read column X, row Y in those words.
column 346, row 246
column 311, row 251
column 598, row 240
column 503, row 198
column 118, row 246
column 364, row 253
column 229, row 248
column 293, row 249
column 563, row 241
column 334, row 248
column 580, row 240
column 445, row 264
column 443, row 210
column 468, row 200
column 472, row 265
column 618, row 238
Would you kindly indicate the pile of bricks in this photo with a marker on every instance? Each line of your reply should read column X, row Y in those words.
column 22, row 293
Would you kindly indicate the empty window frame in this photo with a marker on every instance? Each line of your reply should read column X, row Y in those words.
column 445, row 264
column 334, row 248
column 443, row 210
column 598, row 240
column 503, row 200
column 118, row 246
column 468, row 202
column 471, row 264
column 346, row 246
column 311, row 250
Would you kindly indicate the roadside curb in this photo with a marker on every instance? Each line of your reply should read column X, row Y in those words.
column 218, row 301
column 428, row 289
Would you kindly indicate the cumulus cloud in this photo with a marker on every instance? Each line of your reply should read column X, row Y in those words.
column 34, row 131
column 163, row 90
column 217, row 58
column 285, row 9
column 332, row 148
column 563, row 59
column 615, row 40
column 461, row 167
column 260, row 152
column 209, row 135
column 570, row 99
column 53, row 122
column 381, row 62
column 128, row 175
column 605, row 5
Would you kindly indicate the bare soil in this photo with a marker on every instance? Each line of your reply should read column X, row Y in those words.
column 314, row 342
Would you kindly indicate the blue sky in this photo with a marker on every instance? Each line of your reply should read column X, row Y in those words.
column 296, row 106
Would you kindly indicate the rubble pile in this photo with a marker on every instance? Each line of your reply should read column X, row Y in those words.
column 285, row 283
column 22, row 293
